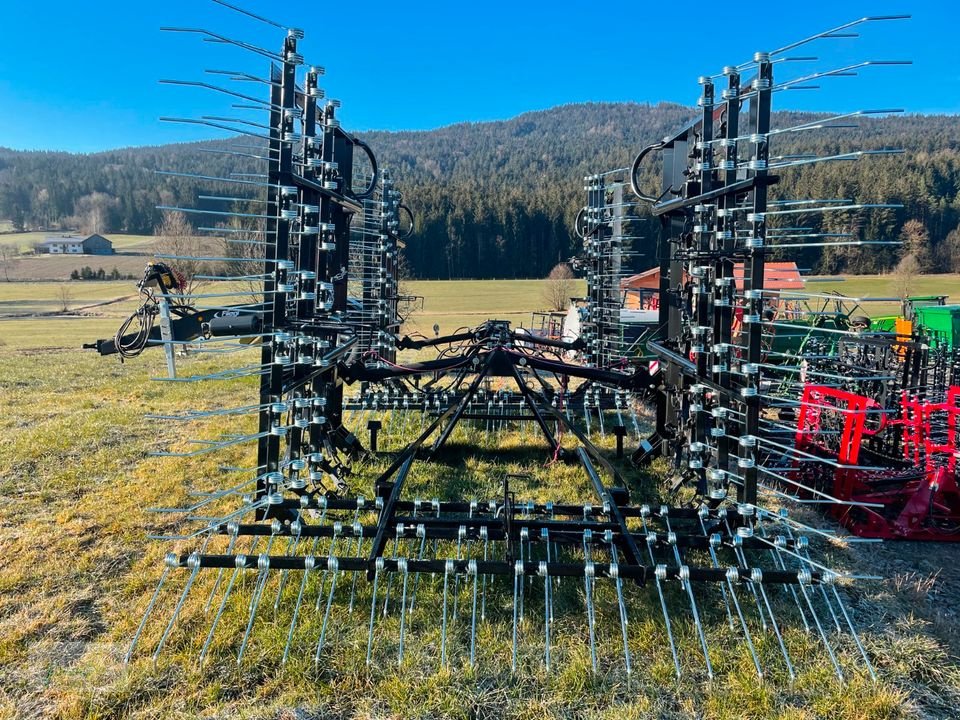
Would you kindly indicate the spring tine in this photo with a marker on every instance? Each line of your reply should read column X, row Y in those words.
column 461, row 534
column 548, row 594
column 263, row 563
column 216, row 584
column 804, row 551
column 853, row 632
column 588, row 576
column 542, row 572
column 292, row 544
column 333, row 567
column 524, row 533
column 448, row 570
column 757, row 577
column 711, row 541
column 146, row 615
column 733, row 575
column 402, row 567
column 240, row 564
column 517, row 574
column 193, row 562
column 358, row 531
column 373, row 607
column 636, row 423
column 309, row 563
column 337, row 529
column 615, row 574
column 685, row 582
column 804, row 577
column 659, row 576
column 386, row 594
column 742, row 561
column 472, row 570
column 485, row 536
column 422, row 534
column 779, row 562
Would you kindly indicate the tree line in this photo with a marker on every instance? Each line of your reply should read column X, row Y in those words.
column 499, row 199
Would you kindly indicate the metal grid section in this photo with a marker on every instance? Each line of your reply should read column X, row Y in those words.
column 319, row 552
column 602, row 224
column 375, row 244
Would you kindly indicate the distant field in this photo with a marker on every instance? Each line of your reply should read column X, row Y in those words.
column 132, row 253
column 121, row 243
column 449, row 304
column 453, row 304
column 884, row 286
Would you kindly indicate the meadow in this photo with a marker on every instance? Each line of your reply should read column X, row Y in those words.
column 77, row 571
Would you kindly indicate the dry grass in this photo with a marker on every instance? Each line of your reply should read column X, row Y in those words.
column 77, row 573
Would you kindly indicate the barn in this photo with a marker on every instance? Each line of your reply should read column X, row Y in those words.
column 76, row 245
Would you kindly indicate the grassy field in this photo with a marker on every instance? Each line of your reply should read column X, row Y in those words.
column 77, row 570
column 132, row 252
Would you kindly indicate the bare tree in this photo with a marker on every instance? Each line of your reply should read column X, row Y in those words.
column 64, row 295
column 905, row 274
column 916, row 242
column 92, row 212
column 558, row 287
column 949, row 252
column 175, row 236
column 9, row 258
column 243, row 243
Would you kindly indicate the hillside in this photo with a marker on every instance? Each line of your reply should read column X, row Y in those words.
column 497, row 199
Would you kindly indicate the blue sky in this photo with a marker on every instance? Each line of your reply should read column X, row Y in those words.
column 83, row 76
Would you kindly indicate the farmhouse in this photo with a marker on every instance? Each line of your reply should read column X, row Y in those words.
column 76, row 245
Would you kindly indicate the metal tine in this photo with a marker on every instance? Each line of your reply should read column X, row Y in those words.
column 659, row 576
column 171, row 561
column 263, row 565
column 309, row 562
column 685, row 585
column 846, row 71
column 485, row 536
column 251, row 15
column 220, row 126
column 216, row 585
column 422, row 534
column 781, row 564
column 220, row 38
column 714, row 541
column 853, row 632
column 447, row 571
column 517, row 575
column 214, row 178
column 803, row 544
column 472, row 571
column 208, row 498
column 833, row 33
column 615, row 574
column 804, row 579
column 193, row 562
column 240, row 563
column 589, row 573
column 396, row 551
column 402, row 567
column 337, row 532
column 542, row 572
column 358, row 533
column 379, row 565
column 736, row 541
column 334, row 568
column 296, row 530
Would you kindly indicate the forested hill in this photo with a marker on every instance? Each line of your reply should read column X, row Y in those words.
column 497, row 199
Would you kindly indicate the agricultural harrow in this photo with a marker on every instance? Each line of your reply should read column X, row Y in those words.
column 334, row 372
